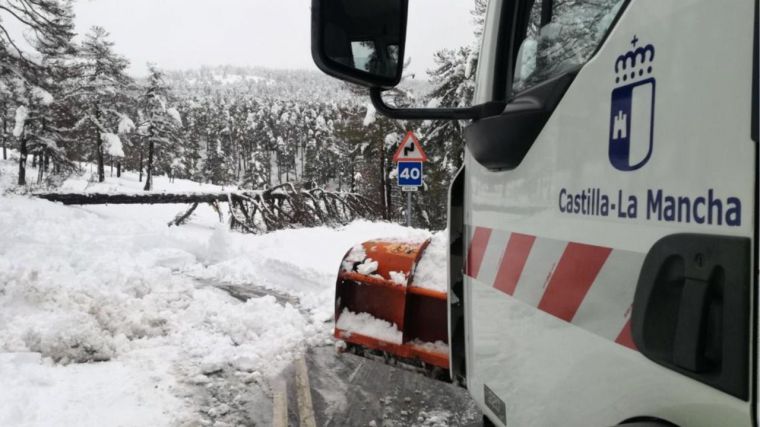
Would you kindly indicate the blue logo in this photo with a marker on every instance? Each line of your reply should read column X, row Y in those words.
column 632, row 115
column 410, row 174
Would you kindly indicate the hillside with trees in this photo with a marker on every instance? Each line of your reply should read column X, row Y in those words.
column 70, row 103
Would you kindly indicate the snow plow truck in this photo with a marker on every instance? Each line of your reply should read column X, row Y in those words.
column 602, row 235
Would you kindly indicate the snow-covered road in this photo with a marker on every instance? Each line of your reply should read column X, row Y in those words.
column 154, row 309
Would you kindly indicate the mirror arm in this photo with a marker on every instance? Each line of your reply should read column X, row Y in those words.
column 476, row 112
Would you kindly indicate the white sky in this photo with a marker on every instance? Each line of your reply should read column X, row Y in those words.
column 181, row 34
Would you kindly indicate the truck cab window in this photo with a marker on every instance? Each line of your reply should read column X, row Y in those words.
column 561, row 35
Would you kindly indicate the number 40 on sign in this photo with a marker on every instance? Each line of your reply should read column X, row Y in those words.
column 410, row 157
column 410, row 174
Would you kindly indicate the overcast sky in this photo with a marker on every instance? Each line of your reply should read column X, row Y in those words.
column 181, row 34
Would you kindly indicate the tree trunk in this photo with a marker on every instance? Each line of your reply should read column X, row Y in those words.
column 22, row 161
column 118, row 169
column 46, row 165
column 383, row 192
column 40, row 170
column 111, row 165
column 149, row 168
column 141, row 162
column 34, row 160
column 101, row 164
column 4, row 135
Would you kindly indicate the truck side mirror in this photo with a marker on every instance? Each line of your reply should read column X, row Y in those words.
column 360, row 41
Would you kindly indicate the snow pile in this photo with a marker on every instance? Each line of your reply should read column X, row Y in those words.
column 355, row 256
column 436, row 347
column 367, row 325
column 432, row 269
column 114, row 285
column 398, row 278
column 113, row 144
column 368, row 267
column 22, row 113
column 93, row 290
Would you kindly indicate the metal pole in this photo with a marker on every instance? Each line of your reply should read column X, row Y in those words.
column 409, row 209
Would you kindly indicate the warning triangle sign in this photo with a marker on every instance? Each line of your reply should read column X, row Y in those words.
column 410, row 150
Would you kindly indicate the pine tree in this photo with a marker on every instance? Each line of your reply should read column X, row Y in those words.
column 102, row 93
column 50, row 26
column 160, row 125
column 50, row 22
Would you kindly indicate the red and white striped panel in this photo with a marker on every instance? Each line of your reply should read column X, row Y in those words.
column 591, row 287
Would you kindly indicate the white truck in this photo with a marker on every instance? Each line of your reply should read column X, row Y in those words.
column 603, row 231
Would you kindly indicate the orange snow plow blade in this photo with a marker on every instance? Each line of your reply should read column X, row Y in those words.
column 379, row 308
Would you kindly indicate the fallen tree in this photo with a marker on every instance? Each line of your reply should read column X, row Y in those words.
column 284, row 206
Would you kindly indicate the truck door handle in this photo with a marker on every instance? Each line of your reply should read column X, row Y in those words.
column 690, row 334
column 691, row 311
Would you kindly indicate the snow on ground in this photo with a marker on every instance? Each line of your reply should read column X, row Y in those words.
column 130, row 183
column 108, row 315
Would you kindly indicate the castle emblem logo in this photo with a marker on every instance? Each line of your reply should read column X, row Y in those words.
column 633, row 102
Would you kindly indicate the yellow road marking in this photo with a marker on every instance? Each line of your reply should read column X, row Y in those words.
column 303, row 391
column 280, row 404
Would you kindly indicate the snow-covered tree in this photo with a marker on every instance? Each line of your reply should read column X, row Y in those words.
column 49, row 24
column 102, row 94
column 159, row 124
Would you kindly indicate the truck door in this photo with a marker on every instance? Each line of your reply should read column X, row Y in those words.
column 610, row 214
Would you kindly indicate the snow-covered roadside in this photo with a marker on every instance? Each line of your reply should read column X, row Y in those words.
column 106, row 315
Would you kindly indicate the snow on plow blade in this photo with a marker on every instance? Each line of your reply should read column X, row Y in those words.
column 381, row 308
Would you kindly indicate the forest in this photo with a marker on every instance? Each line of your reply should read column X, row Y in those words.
column 68, row 105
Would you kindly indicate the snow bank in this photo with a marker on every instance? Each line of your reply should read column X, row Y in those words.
column 107, row 314
column 366, row 324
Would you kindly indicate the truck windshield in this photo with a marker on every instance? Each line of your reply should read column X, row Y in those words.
column 561, row 35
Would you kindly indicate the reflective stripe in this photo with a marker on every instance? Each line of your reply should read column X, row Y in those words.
column 493, row 255
column 538, row 270
column 513, row 262
column 573, row 277
column 606, row 308
column 476, row 250
column 591, row 287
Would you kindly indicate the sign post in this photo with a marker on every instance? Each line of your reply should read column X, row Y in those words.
column 410, row 157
